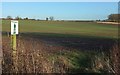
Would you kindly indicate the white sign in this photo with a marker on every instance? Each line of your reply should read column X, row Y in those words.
column 14, row 27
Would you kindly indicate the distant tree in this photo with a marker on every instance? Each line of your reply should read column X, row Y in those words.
column 38, row 19
column 26, row 18
column 46, row 18
column 18, row 18
column 51, row 18
column 114, row 17
column 9, row 17
column 98, row 20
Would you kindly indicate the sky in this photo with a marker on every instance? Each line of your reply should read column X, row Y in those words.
column 60, row 0
column 60, row 10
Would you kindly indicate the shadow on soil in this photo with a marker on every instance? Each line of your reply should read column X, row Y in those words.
column 79, row 42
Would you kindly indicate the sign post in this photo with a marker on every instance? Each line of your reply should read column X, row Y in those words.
column 14, row 31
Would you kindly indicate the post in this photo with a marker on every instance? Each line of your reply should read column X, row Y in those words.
column 14, row 31
column 14, row 54
column 13, row 40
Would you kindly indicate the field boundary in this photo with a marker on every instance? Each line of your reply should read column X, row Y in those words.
column 115, row 23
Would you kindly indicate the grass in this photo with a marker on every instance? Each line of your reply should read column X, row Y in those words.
column 80, row 61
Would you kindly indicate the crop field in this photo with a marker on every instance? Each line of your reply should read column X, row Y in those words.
column 77, row 28
column 59, row 47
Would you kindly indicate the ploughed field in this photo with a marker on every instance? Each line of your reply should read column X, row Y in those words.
column 59, row 46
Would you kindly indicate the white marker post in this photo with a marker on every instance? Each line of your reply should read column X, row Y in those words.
column 14, row 27
column 14, row 31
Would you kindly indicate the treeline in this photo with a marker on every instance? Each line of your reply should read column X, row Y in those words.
column 111, row 18
column 16, row 18
column 114, row 18
column 51, row 18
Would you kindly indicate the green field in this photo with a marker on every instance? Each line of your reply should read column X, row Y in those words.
column 74, row 28
column 60, row 47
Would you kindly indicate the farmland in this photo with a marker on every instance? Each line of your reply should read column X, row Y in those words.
column 59, row 46
column 77, row 28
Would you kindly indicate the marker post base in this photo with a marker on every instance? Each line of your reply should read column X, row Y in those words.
column 14, row 53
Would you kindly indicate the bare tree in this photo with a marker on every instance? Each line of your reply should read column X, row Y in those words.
column 18, row 18
column 51, row 18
